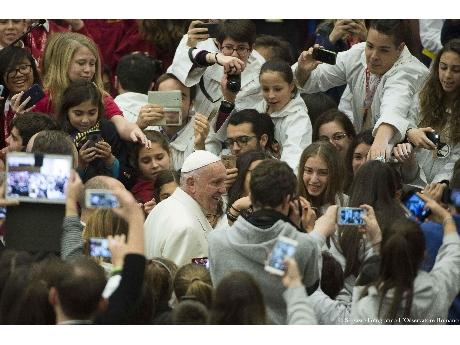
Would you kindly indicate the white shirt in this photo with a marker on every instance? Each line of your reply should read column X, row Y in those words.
column 130, row 104
column 393, row 96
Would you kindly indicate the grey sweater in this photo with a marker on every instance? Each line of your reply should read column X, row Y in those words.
column 245, row 247
column 433, row 291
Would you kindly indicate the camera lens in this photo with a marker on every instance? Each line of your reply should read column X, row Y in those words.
column 234, row 82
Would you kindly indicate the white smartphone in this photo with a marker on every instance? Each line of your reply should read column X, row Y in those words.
column 99, row 247
column 100, row 198
column 350, row 216
column 171, row 101
column 284, row 247
column 1, row 89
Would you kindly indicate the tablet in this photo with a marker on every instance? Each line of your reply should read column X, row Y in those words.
column 37, row 178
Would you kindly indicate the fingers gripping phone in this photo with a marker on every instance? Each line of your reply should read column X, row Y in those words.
column 323, row 55
column 285, row 247
column 212, row 28
column 350, row 216
column 35, row 93
column 100, row 198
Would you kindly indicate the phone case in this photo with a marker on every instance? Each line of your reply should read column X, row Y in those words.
column 35, row 92
column 324, row 55
column 171, row 101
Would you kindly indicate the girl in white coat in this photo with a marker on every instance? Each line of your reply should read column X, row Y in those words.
column 437, row 108
column 283, row 103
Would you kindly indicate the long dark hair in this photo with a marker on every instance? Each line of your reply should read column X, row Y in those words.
column 402, row 252
column 375, row 184
column 238, row 301
column 243, row 163
column 433, row 103
column 78, row 92
column 364, row 137
column 333, row 115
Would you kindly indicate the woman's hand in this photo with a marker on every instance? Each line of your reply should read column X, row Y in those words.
column 118, row 248
column 195, row 35
column 404, row 153
column 435, row 191
column 17, row 107
column 342, row 28
column 201, row 130
column 379, row 151
column 104, row 151
column 137, row 135
column 326, row 224
column 308, row 216
column 149, row 114
column 439, row 213
column 86, row 154
column 417, row 136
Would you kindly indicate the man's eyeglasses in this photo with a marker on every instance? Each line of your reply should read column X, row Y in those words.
column 228, row 50
column 24, row 69
column 335, row 137
column 241, row 141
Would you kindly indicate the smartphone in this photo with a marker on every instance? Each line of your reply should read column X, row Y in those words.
column 455, row 197
column 229, row 161
column 1, row 89
column 99, row 247
column 35, row 92
column 323, row 55
column 2, row 212
column 212, row 28
column 171, row 101
column 201, row 261
column 100, row 198
column 350, row 216
column 416, row 206
column 284, row 247
column 38, row 178
column 94, row 137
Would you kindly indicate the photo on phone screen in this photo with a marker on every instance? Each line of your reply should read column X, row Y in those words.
column 284, row 247
column 323, row 55
column 101, row 198
column 99, row 247
column 350, row 216
column 37, row 177
column 201, row 261
column 229, row 161
column 416, row 206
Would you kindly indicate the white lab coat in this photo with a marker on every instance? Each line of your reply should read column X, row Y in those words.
column 293, row 129
column 177, row 229
column 183, row 146
column 393, row 95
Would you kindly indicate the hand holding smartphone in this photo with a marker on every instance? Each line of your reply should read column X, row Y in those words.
column 101, row 198
column 35, row 93
column 416, row 206
column 284, row 247
column 350, row 216
column 171, row 101
column 212, row 28
column 323, row 55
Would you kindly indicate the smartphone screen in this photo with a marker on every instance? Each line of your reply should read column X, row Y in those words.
column 99, row 247
column 417, row 207
column 350, row 216
column 212, row 28
column 324, row 55
column 201, row 261
column 455, row 197
column 101, row 198
column 284, row 247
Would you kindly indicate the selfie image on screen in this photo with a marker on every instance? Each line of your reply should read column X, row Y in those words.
column 416, row 206
column 37, row 178
column 99, row 247
column 351, row 216
column 279, row 253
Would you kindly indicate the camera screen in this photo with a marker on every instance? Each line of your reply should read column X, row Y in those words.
column 455, row 197
column 351, row 216
column 201, row 261
column 103, row 199
column 99, row 247
column 280, row 251
column 416, row 206
column 172, row 118
column 37, row 178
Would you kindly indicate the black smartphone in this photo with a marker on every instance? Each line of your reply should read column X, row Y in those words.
column 35, row 93
column 323, row 55
column 416, row 206
column 212, row 28
column 94, row 137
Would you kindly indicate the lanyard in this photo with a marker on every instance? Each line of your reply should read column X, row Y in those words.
column 370, row 92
